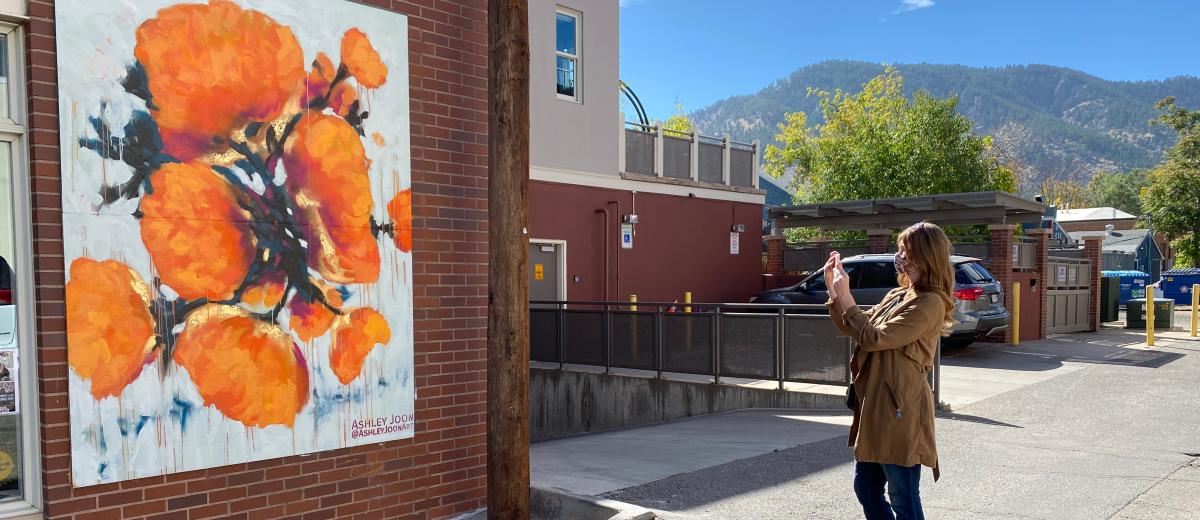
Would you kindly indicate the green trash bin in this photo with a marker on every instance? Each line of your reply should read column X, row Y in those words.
column 1164, row 313
column 1110, row 292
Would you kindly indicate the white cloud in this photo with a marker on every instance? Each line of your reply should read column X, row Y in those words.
column 907, row 5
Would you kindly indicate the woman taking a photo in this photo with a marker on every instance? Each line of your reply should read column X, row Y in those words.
column 895, row 341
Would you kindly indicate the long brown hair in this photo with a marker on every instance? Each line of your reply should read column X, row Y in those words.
column 927, row 251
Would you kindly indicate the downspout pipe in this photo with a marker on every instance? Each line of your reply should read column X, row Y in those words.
column 617, row 260
column 604, row 211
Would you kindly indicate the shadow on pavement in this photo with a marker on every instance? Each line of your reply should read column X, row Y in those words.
column 1050, row 353
column 714, row 484
column 975, row 419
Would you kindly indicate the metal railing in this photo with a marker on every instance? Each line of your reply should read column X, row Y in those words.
column 689, row 156
column 781, row 343
column 806, row 256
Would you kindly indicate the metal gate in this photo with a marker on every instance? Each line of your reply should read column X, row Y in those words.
column 1068, row 294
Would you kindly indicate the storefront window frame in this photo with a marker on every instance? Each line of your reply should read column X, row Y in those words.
column 14, row 132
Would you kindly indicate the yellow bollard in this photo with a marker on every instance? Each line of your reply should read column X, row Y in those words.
column 1016, row 314
column 1149, row 315
column 687, row 323
column 1195, row 306
column 633, row 329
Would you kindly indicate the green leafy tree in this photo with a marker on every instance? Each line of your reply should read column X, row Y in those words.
column 877, row 143
column 1121, row 190
column 1172, row 194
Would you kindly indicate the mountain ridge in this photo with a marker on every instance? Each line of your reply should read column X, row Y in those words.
column 1055, row 122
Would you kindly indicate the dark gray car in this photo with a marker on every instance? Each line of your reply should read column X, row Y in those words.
column 979, row 298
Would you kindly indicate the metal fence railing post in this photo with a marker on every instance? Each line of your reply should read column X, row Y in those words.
column 658, row 340
column 607, row 321
column 715, row 331
column 561, row 316
column 780, row 333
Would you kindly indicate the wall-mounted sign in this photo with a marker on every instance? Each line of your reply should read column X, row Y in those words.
column 263, row 197
column 1062, row 274
column 1016, row 254
column 735, row 239
column 626, row 236
column 8, row 382
column 539, row 271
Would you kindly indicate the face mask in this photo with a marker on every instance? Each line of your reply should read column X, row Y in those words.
column 901, row 263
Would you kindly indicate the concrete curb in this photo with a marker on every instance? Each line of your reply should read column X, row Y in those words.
column 559, row 504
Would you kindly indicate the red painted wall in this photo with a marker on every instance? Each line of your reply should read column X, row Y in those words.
column 680, row 244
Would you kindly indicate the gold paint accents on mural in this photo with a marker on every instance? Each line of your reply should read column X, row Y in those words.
column 225, row 158
column 208, row 313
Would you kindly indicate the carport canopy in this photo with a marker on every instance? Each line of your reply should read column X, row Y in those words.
column 953, row 209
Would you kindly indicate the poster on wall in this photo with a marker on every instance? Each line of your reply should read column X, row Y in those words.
column 8, row 383
column 237, row 231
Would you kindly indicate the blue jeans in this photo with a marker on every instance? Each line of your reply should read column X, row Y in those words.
column 903, row 487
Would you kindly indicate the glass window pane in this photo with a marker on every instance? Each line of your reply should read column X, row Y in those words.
column 10, row 420
column 566, row 76
column 565, row 33
column 4, row 82
column 877, row 275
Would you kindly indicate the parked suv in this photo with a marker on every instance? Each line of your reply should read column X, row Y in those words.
column 979, row 310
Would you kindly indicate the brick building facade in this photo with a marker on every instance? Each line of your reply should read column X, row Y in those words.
column 441, row 472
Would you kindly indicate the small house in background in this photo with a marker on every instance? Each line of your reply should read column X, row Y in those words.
column 777, row 196
column 1095, row 219
column 1127, row 250
column 1075, row 221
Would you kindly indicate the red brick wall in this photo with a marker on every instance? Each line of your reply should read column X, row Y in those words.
column 438, row 474
column 1001, row 266
column 1092, row 252
column 1042, row 271
column 878, row 241
column 774, row 255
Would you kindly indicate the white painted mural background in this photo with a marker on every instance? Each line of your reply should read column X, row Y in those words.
column 159, row 425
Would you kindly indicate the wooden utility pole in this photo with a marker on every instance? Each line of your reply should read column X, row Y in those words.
column 508, row 259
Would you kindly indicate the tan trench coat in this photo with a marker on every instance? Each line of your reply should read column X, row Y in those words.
column 893, row 355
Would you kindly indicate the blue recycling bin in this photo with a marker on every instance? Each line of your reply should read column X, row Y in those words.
column 1133, row 284
column 1177, row 284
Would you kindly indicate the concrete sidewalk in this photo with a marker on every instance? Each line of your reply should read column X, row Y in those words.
column 1076, row 426
column 603, row 462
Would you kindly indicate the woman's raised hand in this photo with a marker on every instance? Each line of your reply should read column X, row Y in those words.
column 831, row 269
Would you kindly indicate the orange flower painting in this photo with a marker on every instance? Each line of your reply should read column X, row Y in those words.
column 239, row 251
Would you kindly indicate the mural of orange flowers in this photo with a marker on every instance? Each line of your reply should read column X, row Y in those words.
column 362, row 60
column 327, row 169
column 191, row 204
column 254, row 201
column 400, row 209
column 109, row 326
column 311, row 319
column 355, row 334
column 248, row 369
column 260, row 62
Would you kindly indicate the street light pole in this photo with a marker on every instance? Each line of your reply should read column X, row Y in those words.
column 508, row 259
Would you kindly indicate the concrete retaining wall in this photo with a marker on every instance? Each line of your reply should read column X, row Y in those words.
column 568, row 403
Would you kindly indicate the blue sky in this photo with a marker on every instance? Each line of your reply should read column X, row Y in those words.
column 700, row 51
